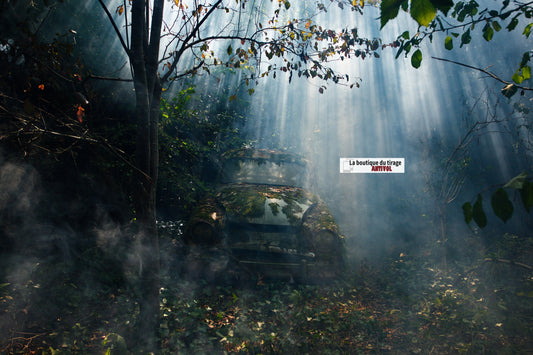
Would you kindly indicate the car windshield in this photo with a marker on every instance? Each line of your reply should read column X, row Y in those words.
column 261, row 171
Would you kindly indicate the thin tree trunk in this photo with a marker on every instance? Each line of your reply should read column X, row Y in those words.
column 144, row 59
column 148, row 321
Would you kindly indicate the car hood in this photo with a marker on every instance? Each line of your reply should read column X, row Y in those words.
column 265, row 204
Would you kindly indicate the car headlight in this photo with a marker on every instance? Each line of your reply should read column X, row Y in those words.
column 327, row 244
column 202, row 232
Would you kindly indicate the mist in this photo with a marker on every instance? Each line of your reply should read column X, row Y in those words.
column 70, row 246
column 421, row 115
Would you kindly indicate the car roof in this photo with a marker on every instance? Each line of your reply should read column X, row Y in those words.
column 264, row 154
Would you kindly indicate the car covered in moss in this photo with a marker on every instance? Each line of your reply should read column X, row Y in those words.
column 261, row 220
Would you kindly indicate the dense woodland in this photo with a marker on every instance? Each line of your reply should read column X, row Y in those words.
column 74, row 215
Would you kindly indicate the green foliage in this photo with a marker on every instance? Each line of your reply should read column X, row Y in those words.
column 448, row 43
column 401, row 306
column 389, row 9
column 502, row 207
column 194, row 130
column 416, row 59
column 423, row 11
column 115, row 344
column 488, row 32
column 460, row 23
column 500, row 202
column 478, row 214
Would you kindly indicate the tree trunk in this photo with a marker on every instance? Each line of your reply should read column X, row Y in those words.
column 145, row 213
column 144, row 60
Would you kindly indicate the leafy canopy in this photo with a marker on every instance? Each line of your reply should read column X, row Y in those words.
column 261, row 40
column 458, row 22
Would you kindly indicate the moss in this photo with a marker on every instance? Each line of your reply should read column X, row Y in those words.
column 206, row 209
column 275, row 156
column 318, row 217
column 248, row 201
column 244, row 202
column 274, row 207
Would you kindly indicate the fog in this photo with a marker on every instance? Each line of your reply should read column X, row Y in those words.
column 458, row 135
column 421, row 115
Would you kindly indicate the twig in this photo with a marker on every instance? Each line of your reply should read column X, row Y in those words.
column 498, row 260
column 117, row 31
column 492, row 75
column 511, row 262
column 107, row 78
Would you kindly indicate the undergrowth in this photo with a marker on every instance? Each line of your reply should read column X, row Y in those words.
column 406, row 305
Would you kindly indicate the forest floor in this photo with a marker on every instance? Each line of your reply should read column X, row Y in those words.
column 404, row 306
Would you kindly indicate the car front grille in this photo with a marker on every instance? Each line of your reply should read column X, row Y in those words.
column 264, row 237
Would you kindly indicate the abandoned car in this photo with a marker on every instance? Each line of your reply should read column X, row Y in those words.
column 261, row 220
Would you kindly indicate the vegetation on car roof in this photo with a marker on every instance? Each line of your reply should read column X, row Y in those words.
column 276, row 156
column 250, row 201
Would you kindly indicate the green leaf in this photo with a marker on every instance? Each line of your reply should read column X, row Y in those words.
column 525, row 59
column 509, row 90
column 448, row 43
column 527, row 30
column 423, row 12
column 517, row 78
column 230, row 50
column 416, row 59
column 512, row 25
column 466, row 38
column 502, row 207
column 443, row 5
column 478, row 214
column 467, row 212
column 287, row 5
column 488, row 32
column 527, row 195
column 496, row 25
column 526, row 72
column 517, row 182
column 389, row 10
column 405, row 35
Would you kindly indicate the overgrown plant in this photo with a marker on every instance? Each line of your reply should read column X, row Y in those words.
column 195, row 130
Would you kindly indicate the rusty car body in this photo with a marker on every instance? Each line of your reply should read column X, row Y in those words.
column 263, row 221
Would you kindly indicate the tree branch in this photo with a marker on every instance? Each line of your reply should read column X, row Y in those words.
column 108, row 78
column 117, row 31
column 511, row 262
column 188, row 38
column 484, row 71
